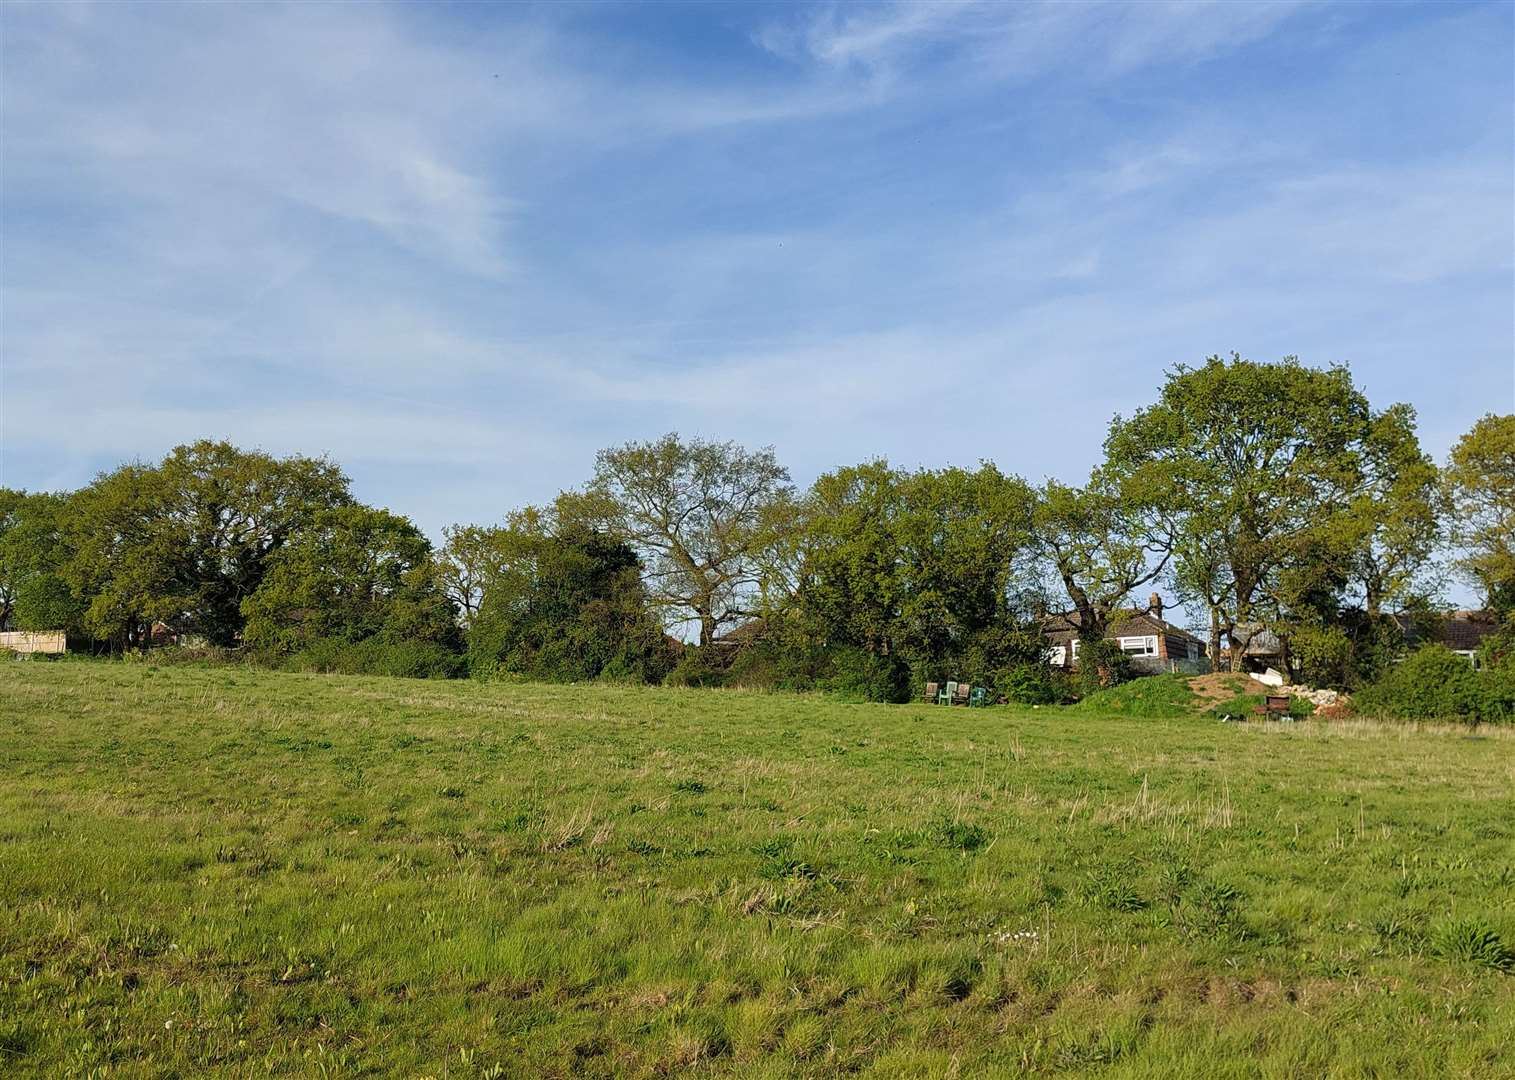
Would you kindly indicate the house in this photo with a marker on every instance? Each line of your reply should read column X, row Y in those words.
column 1152, row 642
column 1461, row 631
column 743, row 634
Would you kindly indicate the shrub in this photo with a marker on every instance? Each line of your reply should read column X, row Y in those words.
column 1498, row 649
column 697, row 667
column 572, row 609
column 774, row 665
column 1432, row 683
column 1101, row 665
column 1320, row 655
column 1035, row 684
column 402, row 659
column 860, row 675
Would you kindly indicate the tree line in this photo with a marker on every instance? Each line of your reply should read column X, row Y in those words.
column 1267, row 497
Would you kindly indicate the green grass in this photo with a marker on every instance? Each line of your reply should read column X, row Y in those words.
column 1245, row 706
column 1154, row 697
column 226, row 872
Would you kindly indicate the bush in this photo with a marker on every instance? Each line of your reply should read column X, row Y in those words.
column 1433, row 683
column 1035, row 684
column 859, row 675
column 1498, row 649
column 401, row 659
column 697, row 667
column 774, row 665
column 1101, row 665
column 1321, row 656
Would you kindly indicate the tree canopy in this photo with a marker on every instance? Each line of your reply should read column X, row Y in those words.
column 1282, row 491
column 355, row 573
column 187, row 541
column 695, row 512
column 565, row 603
column 1480, row 481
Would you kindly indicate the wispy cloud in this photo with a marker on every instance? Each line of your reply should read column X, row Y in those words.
column 1020, row 40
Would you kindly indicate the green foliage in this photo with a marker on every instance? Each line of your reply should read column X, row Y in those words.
column 923, row 567
column 356, row 573
column 1153, row 696
column 45, row 602
column 566, row 604
column 1100, row 542
column 859, row 675
column 372, row 656
column 1472, row 941
column 1321, row 655
column 32, row 551
column 697, row 666
column 1480, row 479
column 470, row 556
column 696, row 513
column 188, row 541
column 1035, row 684
column 777, row 663
column 1280, row 492
column 1498, row 648
column 1434, row 683
column 1102, row 664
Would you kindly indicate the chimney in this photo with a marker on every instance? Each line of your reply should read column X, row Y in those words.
column 1156, row 604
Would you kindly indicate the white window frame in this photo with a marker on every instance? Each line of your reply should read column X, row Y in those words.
column 1145, row 645
column 1058, row 655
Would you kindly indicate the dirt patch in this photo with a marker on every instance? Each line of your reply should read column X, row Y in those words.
column 1223, row 686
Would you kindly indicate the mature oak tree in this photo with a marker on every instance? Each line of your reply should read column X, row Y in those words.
column 1480, row 480
column 695, row 513
column 1101, row 544
column 186, row 541
column 926, row 566
column 1282, row 486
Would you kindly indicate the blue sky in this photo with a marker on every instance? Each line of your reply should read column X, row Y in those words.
column 459, row 248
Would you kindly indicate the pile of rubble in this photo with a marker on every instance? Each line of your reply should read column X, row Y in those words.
column 1315, row 697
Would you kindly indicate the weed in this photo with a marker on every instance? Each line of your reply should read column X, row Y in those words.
column 1472, row 941
column 959, row 835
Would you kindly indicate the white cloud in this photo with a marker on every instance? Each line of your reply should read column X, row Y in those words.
column 1021, row 40
column 250, row 112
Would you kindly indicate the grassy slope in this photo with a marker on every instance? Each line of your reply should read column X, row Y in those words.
column 1155, row 697
column 242, row 873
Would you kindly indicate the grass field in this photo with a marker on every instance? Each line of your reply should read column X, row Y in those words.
column 226, row 872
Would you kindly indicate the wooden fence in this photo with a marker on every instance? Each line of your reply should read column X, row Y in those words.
column 33, row 641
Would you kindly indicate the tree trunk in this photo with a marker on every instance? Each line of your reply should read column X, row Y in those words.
column 1214, row 638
